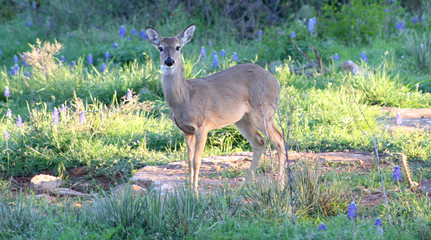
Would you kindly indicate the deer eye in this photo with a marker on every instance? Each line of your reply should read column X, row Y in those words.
column 161, row 49
column 178, row 48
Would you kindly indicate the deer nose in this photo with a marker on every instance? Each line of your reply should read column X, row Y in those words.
column 169, row 61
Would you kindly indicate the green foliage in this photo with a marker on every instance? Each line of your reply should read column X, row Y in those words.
column 418, row 50
column 353, row 23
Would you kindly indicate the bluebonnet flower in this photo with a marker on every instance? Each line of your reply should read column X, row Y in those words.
column 16, row 68
column 143, row 35
column 364, row 57
column 322, row 227
column 6, row 92
column 33, row 5
column 222, row 53
column 19, row 121
column 336, row 57
column 15, row 59
column 55, row 116
column 107, row 55
column 351, row 212
column 422, row 47
column 122, row 31
column 28, row 23
column 27, row 74
column 259, row 34
column 311, row 23
column 422, row 18
column 203, row 53
column 415, row 19
column 82, row 118
column 293, row 35
column 397, row 174
column 400, row 25
column 386, row 10
column 6, row 134
column 235, row 57
column 378, row 222
column 133, row 32
column 115, row 45
column 210, row 43
column 398, row 119
column 129, row 95
column 12, row 71
column 214, row 53
column 215, row 60
column 73, row 63
column 129, row 38
column 102, row 68
column 90, row 59
column 9, row 113
column 63, row 59
column 0, row 50
column 63, row 108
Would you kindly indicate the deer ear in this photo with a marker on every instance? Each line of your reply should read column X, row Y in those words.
column 186, row 35
column 153, row 36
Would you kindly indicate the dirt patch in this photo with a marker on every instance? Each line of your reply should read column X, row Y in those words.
column 227, row 169
column 413, row 119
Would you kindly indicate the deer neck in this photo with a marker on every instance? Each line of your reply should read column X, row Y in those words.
column 175, row 86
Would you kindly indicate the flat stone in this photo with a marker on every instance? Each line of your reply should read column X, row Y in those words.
column 44, row 183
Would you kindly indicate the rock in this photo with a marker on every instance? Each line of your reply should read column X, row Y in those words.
column 351, row 67
column 135, row 189
column 70, row 193
column 43, row 183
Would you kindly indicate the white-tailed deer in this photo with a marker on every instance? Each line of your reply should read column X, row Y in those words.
column 245, row 95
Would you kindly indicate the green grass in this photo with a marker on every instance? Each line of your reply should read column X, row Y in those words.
column 335, row 111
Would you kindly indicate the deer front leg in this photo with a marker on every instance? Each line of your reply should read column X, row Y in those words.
column 190, row 141
column 201, row 137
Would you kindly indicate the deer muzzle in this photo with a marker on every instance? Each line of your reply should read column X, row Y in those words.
column 169, row 62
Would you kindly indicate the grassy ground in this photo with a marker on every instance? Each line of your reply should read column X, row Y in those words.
column 100, row 128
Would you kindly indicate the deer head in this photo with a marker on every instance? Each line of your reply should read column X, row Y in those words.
column 170, row 47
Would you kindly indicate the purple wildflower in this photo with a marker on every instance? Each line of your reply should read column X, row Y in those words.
column 235, row 57
column 6, row 134
column 222, row 53
column 364, row 57
column 311, row 23
column 28, row 23
column 9, row 113
column 378, row 222
column 63, row 108
column 55, row 116
column 73, row 63
column 82, row 118
column 293, row 35
column 107, row 55
column 6, row 92
column 15, row 59
column 0, row 50
column 397, row 174
column 400, row 25
column 90, row 59
column 16, row 68
column 115, row 45
column 336, row 57
column 102, row 68
column 63, row 59
column 134, row 32
column 215, row 60
column 27, row 74
column 422, row 47
column 351, row 212
column 415, row 19
column 259, row 35
column 19, row 121
column 203, row 53
column 322, row 227
column 129, row 95
column 143, row 35
column 398, row 119
column 12, row 71
column 210, row 43
column 122, row 31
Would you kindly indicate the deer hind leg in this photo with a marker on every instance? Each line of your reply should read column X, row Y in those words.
column 269, row 129
column 200, row 140
column 256, row 141
column 190, row 141
column 277, row 138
